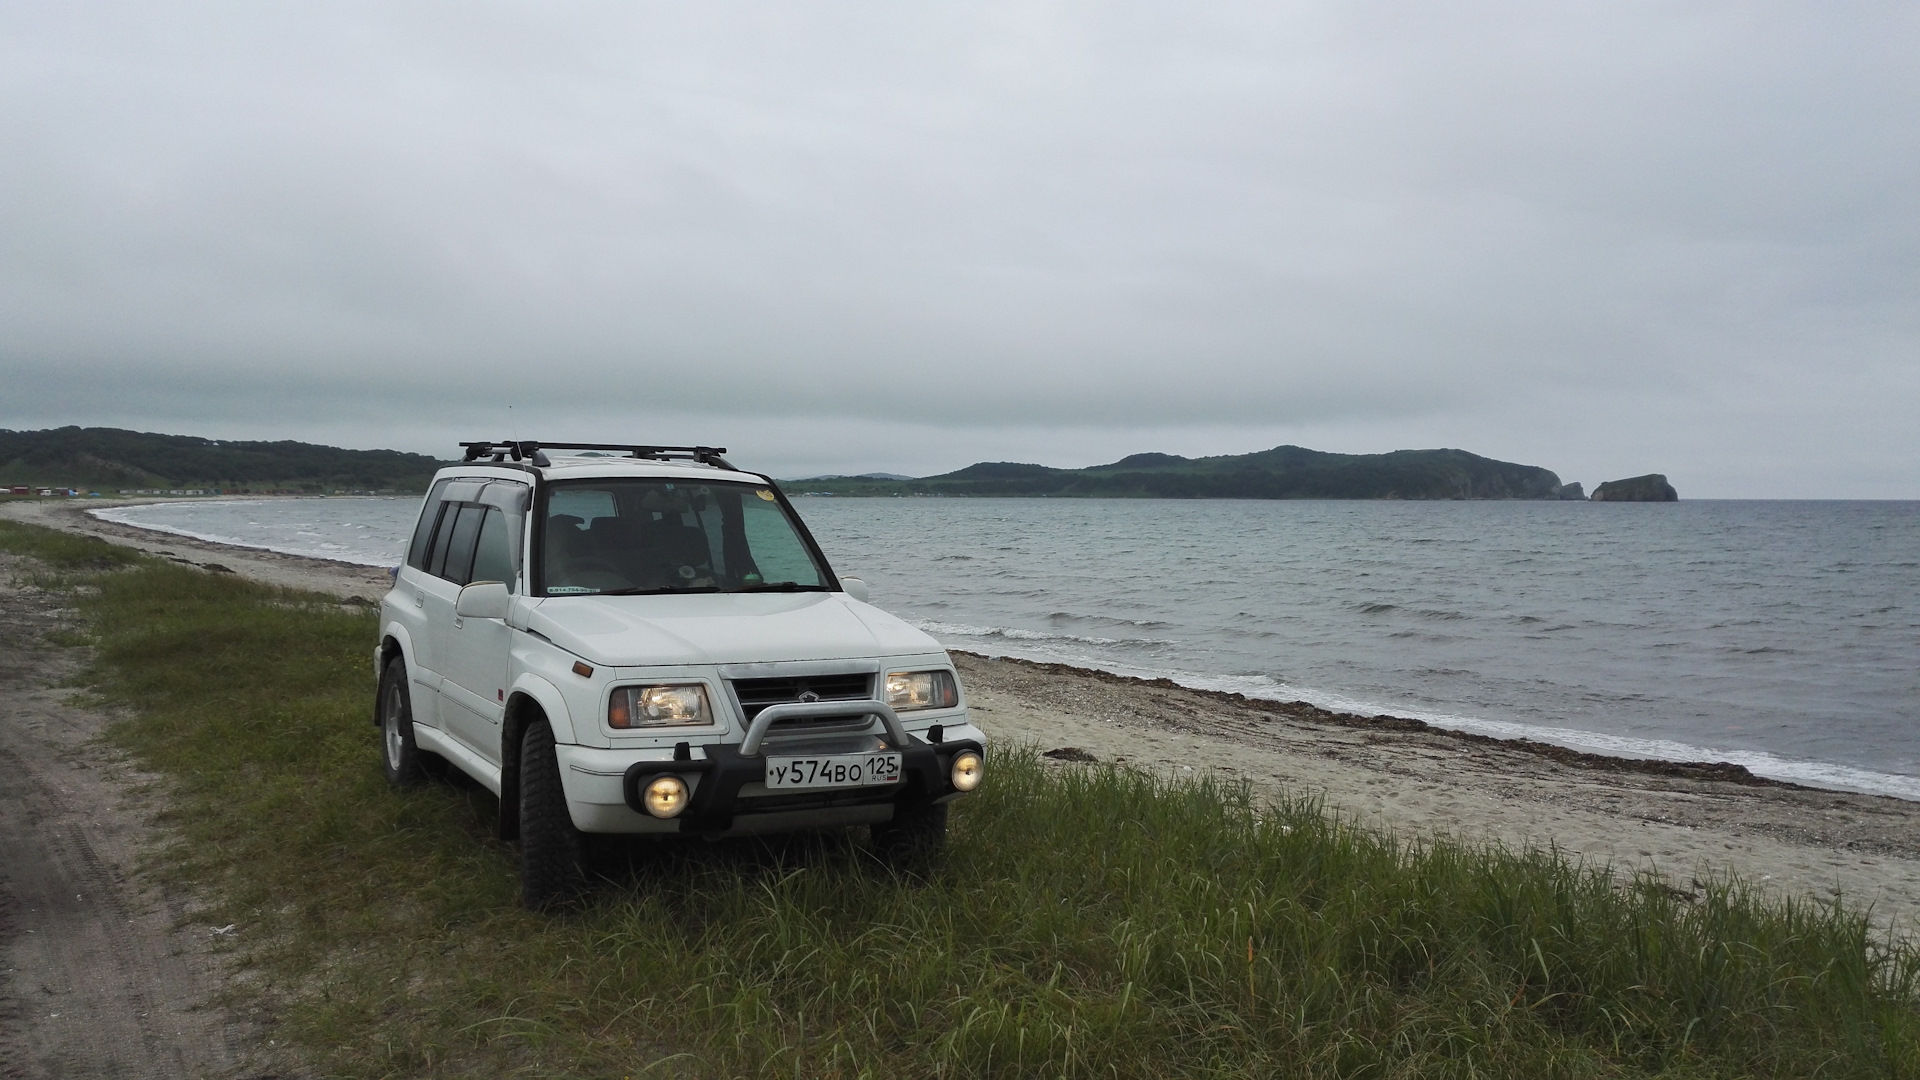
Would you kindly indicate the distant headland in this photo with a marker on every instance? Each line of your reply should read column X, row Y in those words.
column 1284, row 472
column 112, row 459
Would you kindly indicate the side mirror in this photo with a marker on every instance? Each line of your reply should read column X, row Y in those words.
column 854, row 587
column 482, row 600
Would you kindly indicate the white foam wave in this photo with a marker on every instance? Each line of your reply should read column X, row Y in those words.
column 1820, row 774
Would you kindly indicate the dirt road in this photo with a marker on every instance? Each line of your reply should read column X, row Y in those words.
column 102, row 974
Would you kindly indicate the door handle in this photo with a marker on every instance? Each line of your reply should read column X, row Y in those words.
column 419, row 599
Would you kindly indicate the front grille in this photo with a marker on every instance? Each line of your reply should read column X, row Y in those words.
column 757, row 694
column 774, row 802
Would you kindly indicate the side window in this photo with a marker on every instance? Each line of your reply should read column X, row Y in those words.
column 422, row 543
column 442, row 539
column 776, row 550
column 493, row 554
column 457, row 562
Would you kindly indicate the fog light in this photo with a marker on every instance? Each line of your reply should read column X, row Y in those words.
column 666, row 797
column 966, row 771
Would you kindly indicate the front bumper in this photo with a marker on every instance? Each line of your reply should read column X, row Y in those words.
column 727, row 781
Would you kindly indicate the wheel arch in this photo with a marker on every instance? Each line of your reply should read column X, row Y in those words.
column 394, row 642
column 533, row 701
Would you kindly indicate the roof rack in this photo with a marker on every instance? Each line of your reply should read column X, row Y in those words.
column 532, row 451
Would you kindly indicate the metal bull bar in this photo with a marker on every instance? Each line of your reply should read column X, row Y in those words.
column 726, row 769
column 802, row 710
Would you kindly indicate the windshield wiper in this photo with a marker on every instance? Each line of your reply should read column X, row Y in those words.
column 782, row 586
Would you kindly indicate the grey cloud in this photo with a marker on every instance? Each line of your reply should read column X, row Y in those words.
column 1067, row 229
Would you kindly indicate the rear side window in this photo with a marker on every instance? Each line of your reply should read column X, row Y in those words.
column 422, row 543
column 442, row 539
column 457, row 562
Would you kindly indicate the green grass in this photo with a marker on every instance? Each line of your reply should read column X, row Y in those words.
column 63, row 551
column 1089, row 922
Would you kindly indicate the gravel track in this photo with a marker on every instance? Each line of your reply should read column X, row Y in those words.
column 102, row 972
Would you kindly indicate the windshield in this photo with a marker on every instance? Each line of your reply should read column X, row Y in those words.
column 624, row 537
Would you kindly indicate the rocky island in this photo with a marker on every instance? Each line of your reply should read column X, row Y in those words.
column 1652, row 487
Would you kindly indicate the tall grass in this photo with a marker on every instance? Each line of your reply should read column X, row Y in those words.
column 62, row 550
column 1092, row 922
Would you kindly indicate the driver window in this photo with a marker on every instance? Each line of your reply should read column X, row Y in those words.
column 777, row 552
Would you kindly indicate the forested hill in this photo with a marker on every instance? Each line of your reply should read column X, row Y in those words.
column 1284, row 472
column 108, row 459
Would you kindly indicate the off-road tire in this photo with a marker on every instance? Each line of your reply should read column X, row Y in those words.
column 552, row 851
column 399, row 754
column 915, row 838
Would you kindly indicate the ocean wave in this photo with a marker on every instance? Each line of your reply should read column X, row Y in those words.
column 1110, row 620
column 1819, row 774
column 1014, row 633
column 304, row 542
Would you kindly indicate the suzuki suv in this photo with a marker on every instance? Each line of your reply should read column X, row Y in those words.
column 645, row 640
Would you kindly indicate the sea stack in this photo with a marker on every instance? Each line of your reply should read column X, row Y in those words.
column 1652, row 487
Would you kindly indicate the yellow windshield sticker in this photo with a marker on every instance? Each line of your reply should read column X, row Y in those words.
column 765, row 494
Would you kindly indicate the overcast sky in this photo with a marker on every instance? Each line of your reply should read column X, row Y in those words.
column 1606, row 238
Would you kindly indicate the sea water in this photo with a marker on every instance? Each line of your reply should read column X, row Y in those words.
column 1784, row 636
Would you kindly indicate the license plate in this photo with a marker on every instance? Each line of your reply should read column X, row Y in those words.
column 842, row 770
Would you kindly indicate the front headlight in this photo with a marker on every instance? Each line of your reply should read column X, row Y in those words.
column 658, row 706
column 910, row 690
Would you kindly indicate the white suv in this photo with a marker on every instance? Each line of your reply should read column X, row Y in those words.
column 646, row 640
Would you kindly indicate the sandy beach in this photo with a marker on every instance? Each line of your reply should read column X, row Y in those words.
column 1684, row 822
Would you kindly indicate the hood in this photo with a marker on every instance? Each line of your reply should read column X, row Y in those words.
column 721, row 628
